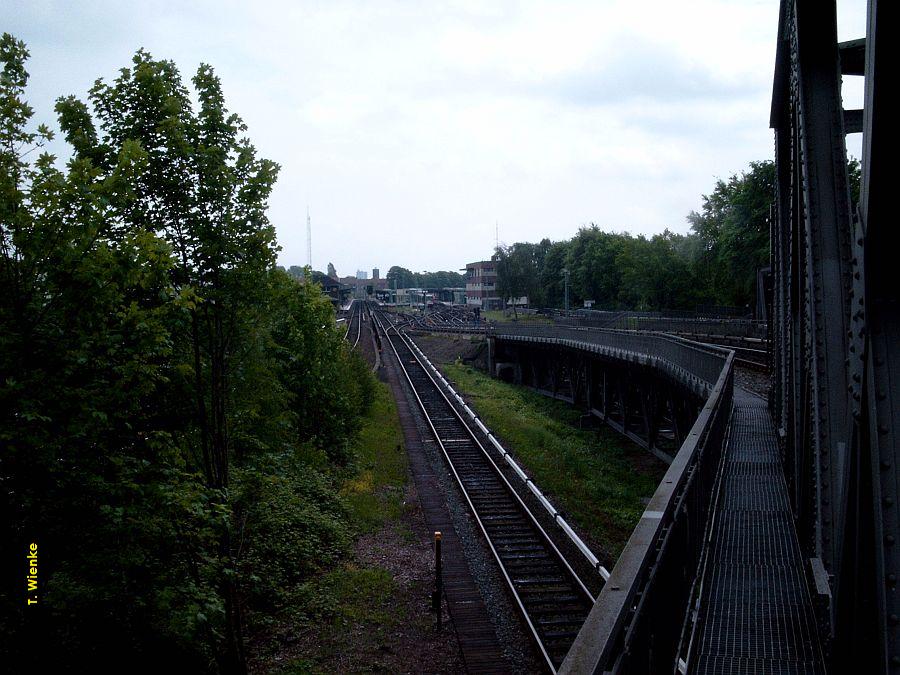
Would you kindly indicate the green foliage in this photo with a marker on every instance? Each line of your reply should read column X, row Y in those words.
column 308, row 352
column 174, row 412
column 515, row 271
column 295, row 527
column 503, row 315
column 374, row 494
column 733, row 230
column 404, row 278
column 715, row 264
column 597, row 478
column 332, row 593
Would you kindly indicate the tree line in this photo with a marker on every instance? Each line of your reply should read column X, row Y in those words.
column 716, row 263
column 174, row 410
column 400, row 277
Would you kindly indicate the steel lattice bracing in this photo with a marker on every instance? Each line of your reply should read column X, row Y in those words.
column 835, row 332
column 653, row 411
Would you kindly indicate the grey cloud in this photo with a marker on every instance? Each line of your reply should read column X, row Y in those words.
column 643, row 70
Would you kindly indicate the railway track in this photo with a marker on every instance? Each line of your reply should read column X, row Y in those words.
column 748, row 353
column 354, row 324
column 552, row 599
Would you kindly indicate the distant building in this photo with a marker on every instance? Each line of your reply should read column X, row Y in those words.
column 481, row 285
column 376, row 273
column 415, row 297
column 449, row 295
column 362, row 274
column 333, row 288
column 360, row 284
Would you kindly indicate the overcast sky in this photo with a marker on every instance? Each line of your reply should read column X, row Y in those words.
column 411, row 128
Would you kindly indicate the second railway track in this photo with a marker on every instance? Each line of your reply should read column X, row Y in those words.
column 552, row 599
column 354, row 324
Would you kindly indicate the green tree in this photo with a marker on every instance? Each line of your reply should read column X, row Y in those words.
column 733, row 228
column 203, row 189
column 90, row 466
column 517, row 272
column 595, row 275
column 170, row 403
column 656, row 273
column 400, row 277
column 554, row 259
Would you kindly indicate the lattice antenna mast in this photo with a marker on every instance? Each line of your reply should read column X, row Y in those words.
column 308, row 239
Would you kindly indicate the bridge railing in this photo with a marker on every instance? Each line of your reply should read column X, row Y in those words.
column 696, row 325
column 689, row 361
column 636, row 623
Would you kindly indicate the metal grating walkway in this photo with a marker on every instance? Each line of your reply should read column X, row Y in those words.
column 755, row 613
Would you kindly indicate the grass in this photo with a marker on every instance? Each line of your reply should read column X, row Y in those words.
column 345, row 595
column 345, row 603
column 501, row 315
column 351, row 597
column 597, row 478
column 375, row 494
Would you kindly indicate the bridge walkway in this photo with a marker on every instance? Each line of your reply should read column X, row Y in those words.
column 755, row 614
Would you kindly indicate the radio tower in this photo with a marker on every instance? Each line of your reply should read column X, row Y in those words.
column 308, row 239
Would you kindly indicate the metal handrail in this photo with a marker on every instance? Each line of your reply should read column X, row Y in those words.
column 691, row 361
column 468, row 499
column 631, row 626
column 557, row 517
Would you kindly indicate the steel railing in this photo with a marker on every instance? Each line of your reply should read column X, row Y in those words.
column 691, row 362
column 636, row 622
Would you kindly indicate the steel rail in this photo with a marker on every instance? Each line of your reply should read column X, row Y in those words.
column 359, row 315
column 529, row 483
column 349, row 319
column 588, row 597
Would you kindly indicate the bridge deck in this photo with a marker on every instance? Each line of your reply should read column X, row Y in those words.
column 755, row 612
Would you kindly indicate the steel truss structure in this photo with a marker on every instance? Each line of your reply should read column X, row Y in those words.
column 654, row 411
column 836, row 330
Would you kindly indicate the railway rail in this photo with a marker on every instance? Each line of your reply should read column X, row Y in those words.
column 553, row 600
column 355, row 317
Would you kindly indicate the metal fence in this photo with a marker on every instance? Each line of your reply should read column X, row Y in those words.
column 636, row 623
column 666, row 324
column 691, row 361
